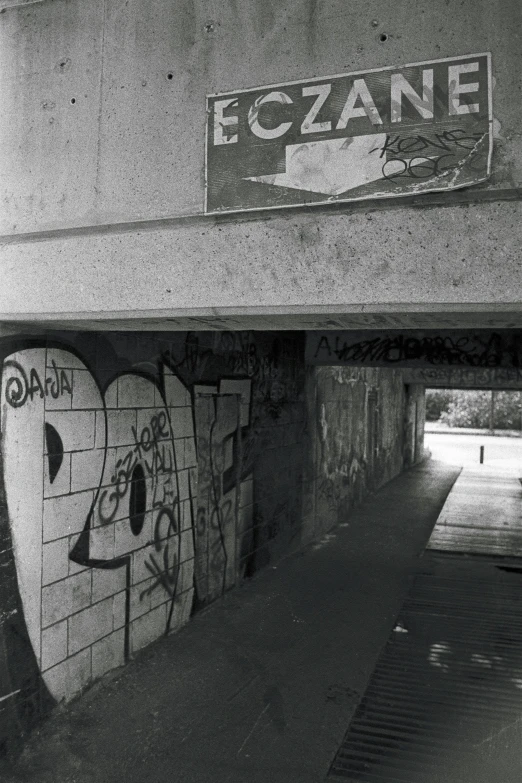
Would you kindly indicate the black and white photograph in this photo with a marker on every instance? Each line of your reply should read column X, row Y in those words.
column 260, row 391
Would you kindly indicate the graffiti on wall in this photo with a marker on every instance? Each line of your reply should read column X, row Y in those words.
column 224, row 514
column 115, row 474
column 481, row 348
column 127, row 494
column 472, row 377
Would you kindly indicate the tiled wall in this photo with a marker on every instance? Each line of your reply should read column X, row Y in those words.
column 142, row 475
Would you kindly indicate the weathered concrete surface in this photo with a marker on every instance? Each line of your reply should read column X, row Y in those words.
column 261, row 686
column 104, row 103
column 103, row 116
column 439, row 258
column 361, row 435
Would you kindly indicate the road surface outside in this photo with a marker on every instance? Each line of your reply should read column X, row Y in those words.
column 500, row 452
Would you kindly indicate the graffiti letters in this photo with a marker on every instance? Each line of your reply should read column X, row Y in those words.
column 23, row 385
column 152, row 450
column 471, row 349
column 423, row 156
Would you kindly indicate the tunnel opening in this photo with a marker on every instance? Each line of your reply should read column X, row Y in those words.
column 480, row 430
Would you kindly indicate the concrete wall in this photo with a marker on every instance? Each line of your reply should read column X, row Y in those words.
column 102, row 166
column 142, row 475
column 361, row 437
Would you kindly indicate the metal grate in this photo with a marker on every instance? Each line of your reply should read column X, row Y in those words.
column 444, row 704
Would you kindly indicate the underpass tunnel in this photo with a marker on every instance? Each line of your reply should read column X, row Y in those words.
column 444, row 699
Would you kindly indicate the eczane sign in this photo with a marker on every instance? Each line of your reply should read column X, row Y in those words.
column 382, row 133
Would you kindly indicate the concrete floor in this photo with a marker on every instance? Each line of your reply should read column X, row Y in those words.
column 263, row 685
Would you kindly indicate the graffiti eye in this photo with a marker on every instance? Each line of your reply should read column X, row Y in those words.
column 54, row 450
column 138, row 500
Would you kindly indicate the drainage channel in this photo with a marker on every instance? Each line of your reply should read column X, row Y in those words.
column 444, row 704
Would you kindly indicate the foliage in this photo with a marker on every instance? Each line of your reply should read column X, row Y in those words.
column 471, row 408
column 437, row 401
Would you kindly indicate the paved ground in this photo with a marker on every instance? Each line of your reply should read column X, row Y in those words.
column 482, row 515
column 463, row 449
column 263, row 685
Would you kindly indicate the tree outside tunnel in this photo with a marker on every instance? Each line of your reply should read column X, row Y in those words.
column 473, row 408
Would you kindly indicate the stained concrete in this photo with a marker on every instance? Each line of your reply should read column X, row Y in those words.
column 388, row 258
column 94, row 131
column 102, row 171
column 262, row 685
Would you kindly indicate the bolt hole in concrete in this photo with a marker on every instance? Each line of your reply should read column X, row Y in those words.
column 170, row 76
column 73, row 101
column 383, row 37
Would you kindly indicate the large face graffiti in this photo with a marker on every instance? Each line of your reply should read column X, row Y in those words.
column 100, row 490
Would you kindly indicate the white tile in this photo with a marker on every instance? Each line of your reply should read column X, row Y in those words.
column 90, row 625
column 101, row 542
column 179, row 450
column 108, row 653
column 86, row 393
column 68, row 678
column 54, row 644
column 140, row 599
column 124, row 539
column 55, row 563
column 61, row 599
column 100, row 437
column 107, row 582
column 119, row 427
column 110, row 396
column 186, row 515
column 160, row 596
column 76, row 428
column 135, row 391
column 86, row 469
column 182, row 609
column 182, row 422
column 119, row 605
column 80, row 590
column 186, row 546
column 140, row 559
column 183, row 484
column 148, row 628
column 153, row 427
column 62, row 481
column 65, row 515
column 190, row 453
column 60, row 403
column 75, row 568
